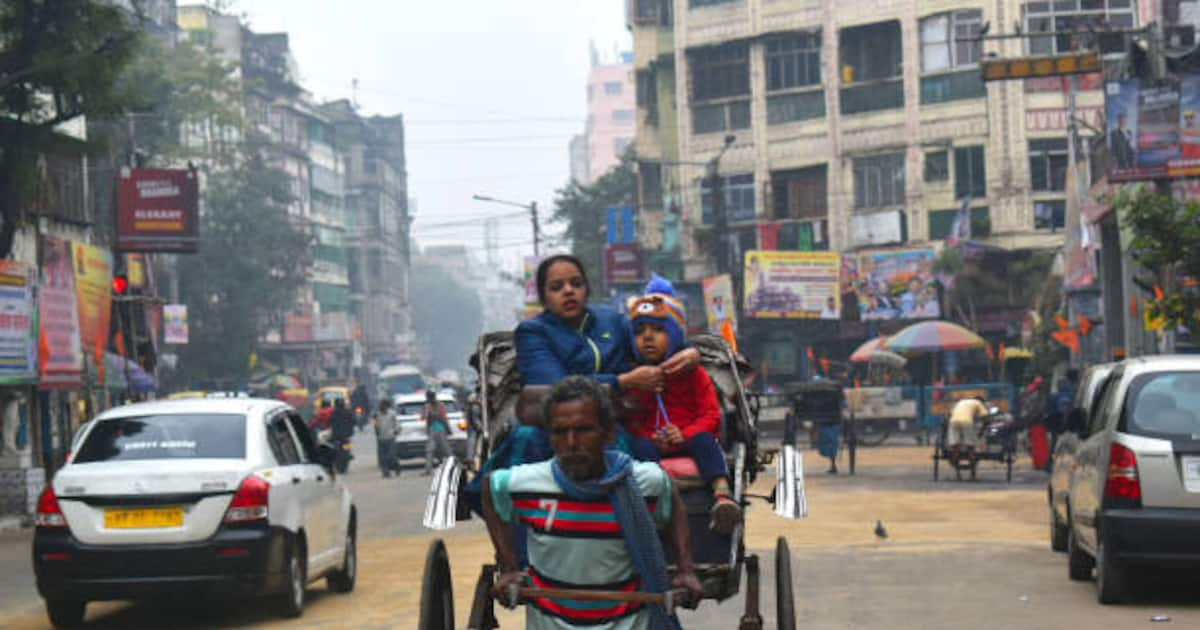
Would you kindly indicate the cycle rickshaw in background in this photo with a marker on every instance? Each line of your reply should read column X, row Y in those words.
column 997, row 434
column 720, row 560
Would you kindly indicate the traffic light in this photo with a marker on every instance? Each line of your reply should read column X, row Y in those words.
column 120, row 284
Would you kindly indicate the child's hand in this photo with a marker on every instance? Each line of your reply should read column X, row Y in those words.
column 673, row 436
column 681, row 362
column 647, row 378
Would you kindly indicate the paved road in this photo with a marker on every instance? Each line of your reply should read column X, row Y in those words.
column 958, row 554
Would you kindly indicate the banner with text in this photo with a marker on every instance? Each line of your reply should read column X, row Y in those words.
column 17, row 348
column 1153, row 130
column 157, row 210
column 93, row 296
column 897, row 285
column 60, row 358
column 787, row 284
column 719, row 303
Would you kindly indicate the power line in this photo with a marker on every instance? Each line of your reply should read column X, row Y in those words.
column 471, row 220
column 487, row 139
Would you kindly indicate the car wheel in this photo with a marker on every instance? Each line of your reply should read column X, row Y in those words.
column 295, row 569
column 1110, row 577
column 1079, row 563
column 1058, row 531
column 342, row 580
column 65, row 613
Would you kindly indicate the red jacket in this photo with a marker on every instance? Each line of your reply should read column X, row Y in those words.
column 690, row 401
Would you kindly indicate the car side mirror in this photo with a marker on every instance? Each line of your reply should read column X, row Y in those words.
column 326, row 455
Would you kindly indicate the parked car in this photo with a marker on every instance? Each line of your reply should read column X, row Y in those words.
column 1134, row 499
column 199, row 496
column 1065, row 446
column 410, row 428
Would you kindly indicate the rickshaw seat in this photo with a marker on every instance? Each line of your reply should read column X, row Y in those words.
column 683, row 471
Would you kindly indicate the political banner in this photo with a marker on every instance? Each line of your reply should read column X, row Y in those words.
column 157, row 210
column 719, row 303
column 93, row 295
column 175, row 323
column 60, row 357
column 1153, row 130
column 897, row 285
column 16, row 318
column 789, row 284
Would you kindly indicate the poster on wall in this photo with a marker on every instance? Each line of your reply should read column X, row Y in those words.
column 16, row 318
column 1153, row 130
column 787, row 284
column 897, row 285
column 175, row 323
column 720, row 306
column 60, row 362
column 93, row 295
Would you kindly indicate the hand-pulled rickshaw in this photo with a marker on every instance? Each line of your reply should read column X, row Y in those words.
column 719, row 559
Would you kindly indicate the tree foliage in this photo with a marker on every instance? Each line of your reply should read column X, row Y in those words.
column 59, row 60
column 1010, row 280
column 1166, row 241
column 447, row 317
column 582, row 210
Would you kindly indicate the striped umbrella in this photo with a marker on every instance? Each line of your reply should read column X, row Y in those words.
column 934, row 336
column 863, row 353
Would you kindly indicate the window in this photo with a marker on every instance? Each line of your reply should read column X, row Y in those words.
column 1050, row 215
column 800, row 194
column 941, row 222
column 871, row 61
column 705, row 3
column 646, row 93
column 739, row 198
column 720, row 117
column 970, row 176
column 1064, row 16
column 650, row 179
column 937, row 166
column 308, row 446
column 720, row 72
column 622, row 116
column 612, row 88
column 166, row 436
column 942, row 45
column 794, row 63
column 281, row 442
column 1162, row 405
column 1048, row 164
column 879, row 181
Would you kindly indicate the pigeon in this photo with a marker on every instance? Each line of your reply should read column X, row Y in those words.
column 880, row 532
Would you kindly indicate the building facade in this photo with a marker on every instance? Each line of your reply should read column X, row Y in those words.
column 853, row 127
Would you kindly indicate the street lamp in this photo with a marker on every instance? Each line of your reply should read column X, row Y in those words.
column 533, row 215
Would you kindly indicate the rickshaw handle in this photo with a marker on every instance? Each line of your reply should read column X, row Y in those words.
column 667, row 599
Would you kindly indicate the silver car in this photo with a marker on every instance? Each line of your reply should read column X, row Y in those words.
column 1134, row 498
column 1065, row 448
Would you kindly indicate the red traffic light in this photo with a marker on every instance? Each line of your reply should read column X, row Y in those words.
column 119, row 285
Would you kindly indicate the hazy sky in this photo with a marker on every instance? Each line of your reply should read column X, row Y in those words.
column 491, row 92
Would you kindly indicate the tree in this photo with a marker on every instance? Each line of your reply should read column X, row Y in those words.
column 1166, row 242
column 582, row 209
column 1008, row 280
column 252, row 261
column 447, row 316
column 59, row 60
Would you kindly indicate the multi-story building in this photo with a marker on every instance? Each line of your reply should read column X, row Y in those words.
column 377, row 233
column 856, row 126
column 610, row 122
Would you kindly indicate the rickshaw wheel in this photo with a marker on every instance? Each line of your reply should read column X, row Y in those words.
column 935, row 463
column 437, row 590
column 1008, row 462
column 785, row 598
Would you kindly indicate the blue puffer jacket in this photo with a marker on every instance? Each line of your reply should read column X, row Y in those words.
column 548, row 348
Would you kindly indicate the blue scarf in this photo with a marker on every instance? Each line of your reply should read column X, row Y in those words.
column 619, row 486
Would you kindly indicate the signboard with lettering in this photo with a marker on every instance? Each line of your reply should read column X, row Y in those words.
column 16, row 317
column 157, row 210
column 1153, row 130
column 622, row 263
column 60, row 357
column 782, row 284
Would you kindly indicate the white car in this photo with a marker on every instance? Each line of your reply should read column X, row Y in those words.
column 197, row 496
column 410, row 428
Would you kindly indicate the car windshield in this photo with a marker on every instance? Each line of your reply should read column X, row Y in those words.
column 170, row 436
column 1164, row 405
column 403, row 384
column 414, row 409
column 331, row 396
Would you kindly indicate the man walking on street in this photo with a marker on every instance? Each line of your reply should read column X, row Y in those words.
column 592, row 516
column 385, row 435
column 437, row 429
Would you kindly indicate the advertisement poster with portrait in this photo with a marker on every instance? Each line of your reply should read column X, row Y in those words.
column 61, row 358
column 720, row 306
column 897, row 285
column 1153, row 130
column 789, row 284
column 93, row 295
column 175, row 323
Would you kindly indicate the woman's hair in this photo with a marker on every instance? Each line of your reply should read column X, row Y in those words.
column 543, row 271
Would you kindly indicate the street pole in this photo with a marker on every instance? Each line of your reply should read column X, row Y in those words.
column 1162, row 185
column 533, row 216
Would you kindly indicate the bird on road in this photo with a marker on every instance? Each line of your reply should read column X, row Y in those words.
column 880, row 532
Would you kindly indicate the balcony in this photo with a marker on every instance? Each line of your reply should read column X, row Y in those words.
column 870, row 96
column 795, row 107
column 720, row 117
column 952, row 86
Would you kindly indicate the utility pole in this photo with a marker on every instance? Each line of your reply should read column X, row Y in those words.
column 533, row 217
column 720, row 219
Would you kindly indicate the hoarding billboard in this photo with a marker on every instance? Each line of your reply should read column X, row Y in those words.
column 788, row 284
column 157, row 210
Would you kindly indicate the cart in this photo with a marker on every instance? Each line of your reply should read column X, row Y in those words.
column 997, row 443
column 720, row 560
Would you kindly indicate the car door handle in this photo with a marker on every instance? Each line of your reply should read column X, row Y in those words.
column 295, row 480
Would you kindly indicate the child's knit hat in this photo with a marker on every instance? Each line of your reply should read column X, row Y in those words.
column 659, row 304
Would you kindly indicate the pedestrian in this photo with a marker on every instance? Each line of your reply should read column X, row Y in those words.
column 437, row 429
column 385, row 436
column 606, row 511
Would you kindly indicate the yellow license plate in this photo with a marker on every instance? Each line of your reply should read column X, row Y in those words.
column 143, row 518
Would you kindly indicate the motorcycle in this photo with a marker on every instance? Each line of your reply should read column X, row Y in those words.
column 343, row 454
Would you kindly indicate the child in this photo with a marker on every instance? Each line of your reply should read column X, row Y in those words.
column 683, row 419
